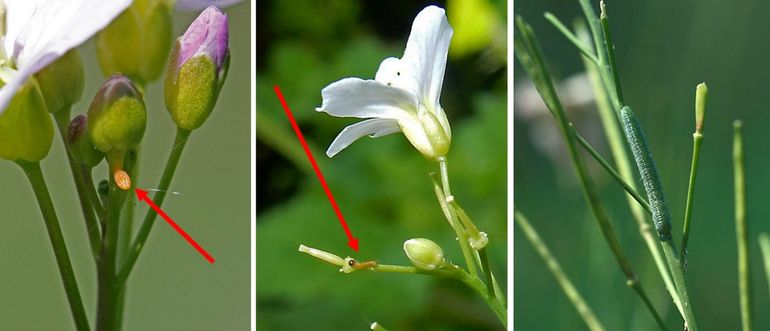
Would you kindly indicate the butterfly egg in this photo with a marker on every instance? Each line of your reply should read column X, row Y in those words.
column 122, row 180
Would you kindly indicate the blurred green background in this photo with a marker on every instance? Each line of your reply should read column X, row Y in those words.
column 663, row 48
column 381, row 184
column 172, row 286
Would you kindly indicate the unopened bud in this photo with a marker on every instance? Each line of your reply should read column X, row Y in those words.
column 26, row 131
column 137, row 42
column 117, row 116
column 197, row 69
column 81, row 147
column 322, row 255
column 424, row 253
column 62, row 82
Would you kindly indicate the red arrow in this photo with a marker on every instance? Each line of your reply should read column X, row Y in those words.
column 352, row 241
column 142, row 196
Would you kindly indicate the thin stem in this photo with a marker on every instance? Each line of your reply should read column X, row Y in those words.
column 487, row 272
column 764, row 245
column 144, row 231
column 36, row 180
column 581, row 46
column 604, row 91
column 442, row 164
column 77, row 169
column 697, row 142
column 529, row 55
column 741, row 229
column 108, row 288
column 626, row 186
column 462, row 237
column 611, row 53
column 583, row 309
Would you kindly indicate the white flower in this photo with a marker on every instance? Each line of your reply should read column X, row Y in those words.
column 198, row 5
column 404, row 95
column 37, row 32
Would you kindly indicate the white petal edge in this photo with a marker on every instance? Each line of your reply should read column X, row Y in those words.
column 198, row 5
column 355, row 97
column 376, row 127
column 426, row 51
column 40, row 31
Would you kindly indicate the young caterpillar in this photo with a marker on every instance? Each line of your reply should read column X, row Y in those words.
column 362, row 265
column 649, row 173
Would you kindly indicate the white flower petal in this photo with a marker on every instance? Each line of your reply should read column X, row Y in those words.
column 376, row 127
column 396, row 73
column 426, row 51
column 40, row 31
column 198, row 5
column 355, row 97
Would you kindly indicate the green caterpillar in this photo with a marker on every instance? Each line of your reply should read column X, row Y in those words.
column 650, row 178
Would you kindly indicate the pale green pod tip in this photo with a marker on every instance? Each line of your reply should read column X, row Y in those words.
column 322, row 255
column 701, row 97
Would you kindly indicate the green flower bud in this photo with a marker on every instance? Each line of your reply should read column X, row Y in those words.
column 81, row 147
column 424, row 253
column 62, row 82
column 137, row 42
column 117, row 116
column 197, row 69
column 26, row 131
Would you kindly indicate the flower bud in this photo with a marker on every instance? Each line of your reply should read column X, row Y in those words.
column 26, row 131
column 62, row 82
column 116, row 117
column 82, row 149
column 197, row 69
column 137, row 42
column 424, row 253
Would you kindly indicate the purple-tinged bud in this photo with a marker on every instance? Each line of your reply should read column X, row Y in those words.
column 197, row 69
column 80, row 145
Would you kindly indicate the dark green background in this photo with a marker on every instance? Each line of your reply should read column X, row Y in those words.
column 381, row 184
column 172, row 286
column 663, row 48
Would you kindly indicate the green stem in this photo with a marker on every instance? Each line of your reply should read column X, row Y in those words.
column 442, row 164
column 108, row 288
column 580, row 45
column 462, row 236
column 741, row 229
column 764, row 245
column 165, row 181
column 701, row 93
column 626, row 186
column 697, row 142
column 600, row 76
column 611, row 53
column 530, row 56
column 583, row 309
column 77, row 169
column 36, row 180
column 487, row 272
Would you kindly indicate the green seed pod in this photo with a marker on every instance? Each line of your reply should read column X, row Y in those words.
column 197, row 69
column 81, row 147
column 137, row 42
column 117, row 116
column 62, row 82
column 424, row 253
column 26, row 131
